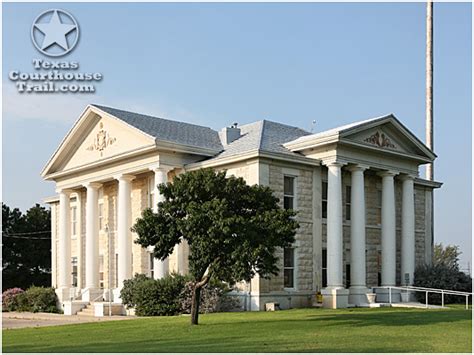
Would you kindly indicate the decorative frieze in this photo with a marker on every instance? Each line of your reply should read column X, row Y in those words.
column 102, row 140
column 380, row 140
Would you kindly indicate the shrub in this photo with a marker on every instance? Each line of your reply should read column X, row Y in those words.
column 41, row 299
column 128, row 293
column 442, row 277
column 154, row 297
column 214, row 298
column 9, row 299
column 34, row 299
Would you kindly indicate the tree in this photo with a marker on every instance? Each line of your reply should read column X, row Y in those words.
column 26, row 248
column 233, row 230
column 447, row 256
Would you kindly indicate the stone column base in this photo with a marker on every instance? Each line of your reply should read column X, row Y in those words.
column 358, row 296
column 64, row 294
column 92, row 294
column 383, row 295
column 116, row 295
column 335, row 297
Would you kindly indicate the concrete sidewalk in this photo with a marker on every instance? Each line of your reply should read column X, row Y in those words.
column 12, row 320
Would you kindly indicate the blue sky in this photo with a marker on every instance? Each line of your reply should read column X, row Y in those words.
column 215, row 64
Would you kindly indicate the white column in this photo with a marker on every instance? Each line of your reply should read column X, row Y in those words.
column 334, row 226
column 64, row 247
column 160, row 267
column 124, row 236
column 389, row 244
column 54, row 250
column 79, row 240
column 357, row 227
column 92, row 240
column 408, row 229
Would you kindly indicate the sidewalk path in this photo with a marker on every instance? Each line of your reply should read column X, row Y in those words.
column 12, row 320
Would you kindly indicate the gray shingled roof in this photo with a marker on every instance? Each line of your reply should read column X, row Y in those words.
column 265, row 136
column 167, row 130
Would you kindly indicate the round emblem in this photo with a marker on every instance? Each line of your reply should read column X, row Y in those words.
column 55, row 32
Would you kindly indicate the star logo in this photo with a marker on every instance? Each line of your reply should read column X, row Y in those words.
column 55, row 32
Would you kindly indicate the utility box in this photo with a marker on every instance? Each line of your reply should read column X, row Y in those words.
column 272, row 306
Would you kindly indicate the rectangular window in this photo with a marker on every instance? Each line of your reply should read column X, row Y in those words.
column 379, row 267
column 152, row 271
column 378, row 207
column 289, row 267
column 324, row 199
column 289, row 192
column 151, row 191
column 73, row 221
column 324, row 263
column 101, row 216
column 348, row 203
column 101, row 271
column 348, row 275
column 74, row 271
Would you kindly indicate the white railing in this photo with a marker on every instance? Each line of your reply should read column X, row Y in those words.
column 427, row 291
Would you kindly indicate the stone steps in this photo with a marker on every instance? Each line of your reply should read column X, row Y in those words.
column 88, row 311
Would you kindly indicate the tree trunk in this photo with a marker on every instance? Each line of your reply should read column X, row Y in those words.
column 195, row 304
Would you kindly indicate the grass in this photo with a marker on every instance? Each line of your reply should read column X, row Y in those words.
column 299, row 330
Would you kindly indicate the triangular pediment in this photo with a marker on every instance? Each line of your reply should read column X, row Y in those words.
column 387, row 134
column 96, row 136
column 384, row 134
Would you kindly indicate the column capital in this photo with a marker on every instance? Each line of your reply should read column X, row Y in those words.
column 357, row 167
column 333, row 162
column 66, row 191
column 92, row 185
column 404, row 177
column 388, row 173
column 124, row 177
column 161, row 167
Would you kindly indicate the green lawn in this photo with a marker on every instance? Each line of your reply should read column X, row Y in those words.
column 313, row 330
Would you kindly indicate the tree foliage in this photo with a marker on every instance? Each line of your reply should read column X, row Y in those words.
column 232, row 229
column 26, row 248
column 447, row 256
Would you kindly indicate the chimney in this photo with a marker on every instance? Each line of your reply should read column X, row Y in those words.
column 229, row 134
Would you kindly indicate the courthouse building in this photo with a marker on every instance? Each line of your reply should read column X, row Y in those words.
column 365, row 216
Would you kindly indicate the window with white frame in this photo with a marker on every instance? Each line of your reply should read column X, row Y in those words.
column 101, row 216
column 101, row 271
column 289, row 267
column 74, row 271
column 73, row 221
column 324, row 199
column 348, row 203
column 152, row 271
column 151, row 191
column 289, row 192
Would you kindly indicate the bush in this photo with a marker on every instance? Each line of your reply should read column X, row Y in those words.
column 9, row 299
column 152, row 297
column 442, row 277
column 34, row 299
column 214, row 298
column 128, row 293
column 41, row 299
